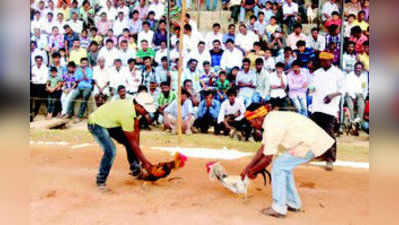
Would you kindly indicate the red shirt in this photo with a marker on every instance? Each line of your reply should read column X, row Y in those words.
column 359, row 42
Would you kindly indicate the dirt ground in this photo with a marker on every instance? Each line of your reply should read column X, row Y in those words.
column 64, row 193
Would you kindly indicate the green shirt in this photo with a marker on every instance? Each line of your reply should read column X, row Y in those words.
column 54, row 80
column 162, row 100
column 118, row 113
column 141, row 54
column 224, row 86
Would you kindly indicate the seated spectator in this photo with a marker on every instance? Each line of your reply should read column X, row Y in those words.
column 56, row 58
column 120, row 24
column 200, row 54
column 194, row 95
column 110, row 36
column 101, row 78
column 162, row 71
column 246, row 82
column 333, row 36
column 125, row 53
column 84, row 79
column 352, row 7
column 245, row 39
column 134, row 79
column 287, row 59
column 298, row 82
column 269, row 62
column 69, row 37
column 262, row 91
column 104, row 24
column 276, row 44
column 53, row 88
column 76, row 24
column 148, row 73
column 328, row 8
column 232, row 76
column 222, row 85
column 160, row 35
column 358, row 38
column 248, row 5
column 77, row 53
column 364, row 56
column 334, row 20
column 356, row 91
column 216, row 54
column 208, row 77
column 272, row 27
column 295, row 36
column 251, row 23
column 154, row 91
column 255, row 53
column 213, row 35
column 69, row 83
column 158, row 8
column 231, row 114
column 165, row 98
column 64, row 58
column 142, row 9
column 333, row 49
column 290, row 12
column 162, row 52
column 192, row 73
column 207, row 115
column 84, row 39
column 92, row 55
column 56, row 40
column 361, row 22
column 348, row 25
column 349, row 58
column 231, row 57
column 122, row 94
column 135, row 24
column 144, row 52
column 109, row 53
column 145, row 34
column 316, row 41
column 95, row 36
column 190, row 39
column 230, row 34
column 304, row 54
column 125, row 36
column 187, row 113
column 151, row 20
column 278, row 84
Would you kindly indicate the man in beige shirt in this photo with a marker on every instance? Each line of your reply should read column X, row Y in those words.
column 299, row 139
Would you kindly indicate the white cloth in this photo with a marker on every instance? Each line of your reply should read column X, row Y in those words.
column 118, row 77
column 47, row 27
column 145, row 36
column 210, row 37
column 275, row 80
column 108, row 55
column 159, row 9
column 246, row 78
column 39, row 74
column 356, row 84
column 133, row 80
column 247, row 41
column 319, row 44
column 42, row 41
column 231, row 59
column 290, row 9
column 119, row 25
column 190, row 43
column 325, row 83
column 159, row 54
column 328, row 8
column 126, row 55
column 200, row 57
column 40, row 52
column 269, row 64
column 76, row 26
column 227, row 109
column 101, row 76
column 292, row 39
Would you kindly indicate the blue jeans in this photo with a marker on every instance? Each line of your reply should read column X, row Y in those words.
column 85, row 93
column 283, row 184
column 300, row 105
column 101, row 135
column 214, row 5
column 243, row 12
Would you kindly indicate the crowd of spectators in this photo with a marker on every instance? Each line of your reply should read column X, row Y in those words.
column 114, row 49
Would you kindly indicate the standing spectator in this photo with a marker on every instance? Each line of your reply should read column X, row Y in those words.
column 192, row 73
column 245, row 39
column 213, row 35
column 101, row 78
column 53, row 88
column 328, row 82
column 165, row 98
column 216, row 54
column 207, row 115
column 316, row 41
column 134, row 79
column 304, row 54
column 328, row 8
column 109, row 53
column 262, row 92
column 77, row 53
column 231, row 113
column 278, row 83
column 39, row 75
column 187, row 113
column 290, row 12
column 248, row 5
column 295, row 36
column 69, row 84
column 246, row 82
column 231, row 57
column 356, row 91
column 298, row 81
column 144, row 52
column 349, row 58
column 214, row 5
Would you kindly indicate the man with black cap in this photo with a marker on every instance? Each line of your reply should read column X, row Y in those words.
column 328, row 82
column 120, row 120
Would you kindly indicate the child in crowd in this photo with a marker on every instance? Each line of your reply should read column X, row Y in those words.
column 207, row 77
column 152, row 21
column 69, row 83
column 233, row 75
column 84, row 39
column 53, row 87
column 222, row 84
column 64, row 58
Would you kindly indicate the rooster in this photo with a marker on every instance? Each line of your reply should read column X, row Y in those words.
column 231, row 182
column 163, row 169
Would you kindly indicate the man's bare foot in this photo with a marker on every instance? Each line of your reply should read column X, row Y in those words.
column 49, row 116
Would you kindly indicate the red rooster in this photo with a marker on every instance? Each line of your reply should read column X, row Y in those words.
column 163, row 169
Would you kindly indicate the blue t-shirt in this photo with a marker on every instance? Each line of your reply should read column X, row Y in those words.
column 84, row 84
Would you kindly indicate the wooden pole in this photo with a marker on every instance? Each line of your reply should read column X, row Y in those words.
column 180, row 68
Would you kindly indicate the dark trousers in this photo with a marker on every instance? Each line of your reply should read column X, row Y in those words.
column 235, row 12
column 54, row 102
column 238, row 125
column 329, row 124
column 205, row 122
column 37, row 91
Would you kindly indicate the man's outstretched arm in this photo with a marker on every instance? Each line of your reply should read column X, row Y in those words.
column 132, row 137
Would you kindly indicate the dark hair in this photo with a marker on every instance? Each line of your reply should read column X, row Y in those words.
column 187, row 27
column 186, row 81
column 356, row 30
column 207, row 93
column 146, row 57
column 71, row 64
column 222, row 72
column 300, row 43
column 124, row 41
column 53, row 69
column 246, row 60
column 146, row 23
column 185, row 92
column 230, row 40
column 151, row 12
column 201, row 42
column 335, row 13
column 314, row 29
column 84, row 59
column 188, row 15
column 216, row 25
column 125, row 30
column 286, row 49
column 253, row 107
column 231, row 26
column 258, row 61
column 257, row 43
column 120, row 87
column 215, row 41
column 366, row 43
column 206, row 62
column 109, row 41
column 253, row 17
column 142, row 88
column 280, row 64
column 164, row 58
column 296, row 63
column 130, row 60
column 231, row 91
column 297, row 25
column 38, row 57
column 56, row 55
column 359, row 63
column 164, row 83
column 93, row 29
column 261, row 13
column 117, row 60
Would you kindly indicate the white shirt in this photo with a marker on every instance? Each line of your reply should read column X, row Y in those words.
column 111, row 13
column 101, row 76
column 292, row 39
column 76, row 26
column 36, row 24
column 37, row 52
column 275, row 80
column 356, row 84
column 249, row 77
column 325, row 83
column 319, row 44
column 40, row 75
column 109, row 55
column 247, row 41
column 161, row 53
column 119, row 25
column 60, row 26
column 290, row 9
column 269, row 64
column 124, row 10
column 328, row 8
column 42, row 41
column 133, row 80
column 126, row 55
column 200, row 57
column 47, row 26
column 158, row 9
column 227, row 109
column 118, row 77
column 190, row 43
column 231, row 59
column 145, row 36
column 210, row 37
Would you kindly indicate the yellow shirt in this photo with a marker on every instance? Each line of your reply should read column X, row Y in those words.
column 97, row 39
column 77, row 55
column 363, row 25
column 295, row 133
column 253, row 56
column 118, row 113
column 365, row 59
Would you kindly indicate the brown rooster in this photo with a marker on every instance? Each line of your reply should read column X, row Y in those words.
column 163, row 169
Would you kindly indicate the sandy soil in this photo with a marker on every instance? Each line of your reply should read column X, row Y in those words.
column 63, row 192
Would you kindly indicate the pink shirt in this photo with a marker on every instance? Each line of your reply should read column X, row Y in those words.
column 359, row 42
column 103, row 27
column 56, row 41
column 295, row 83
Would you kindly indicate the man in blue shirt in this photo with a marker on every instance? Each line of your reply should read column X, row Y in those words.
column 230, row 34
column 304, row 54
column 208, row 111
column 84, row 80
column 216, row 55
